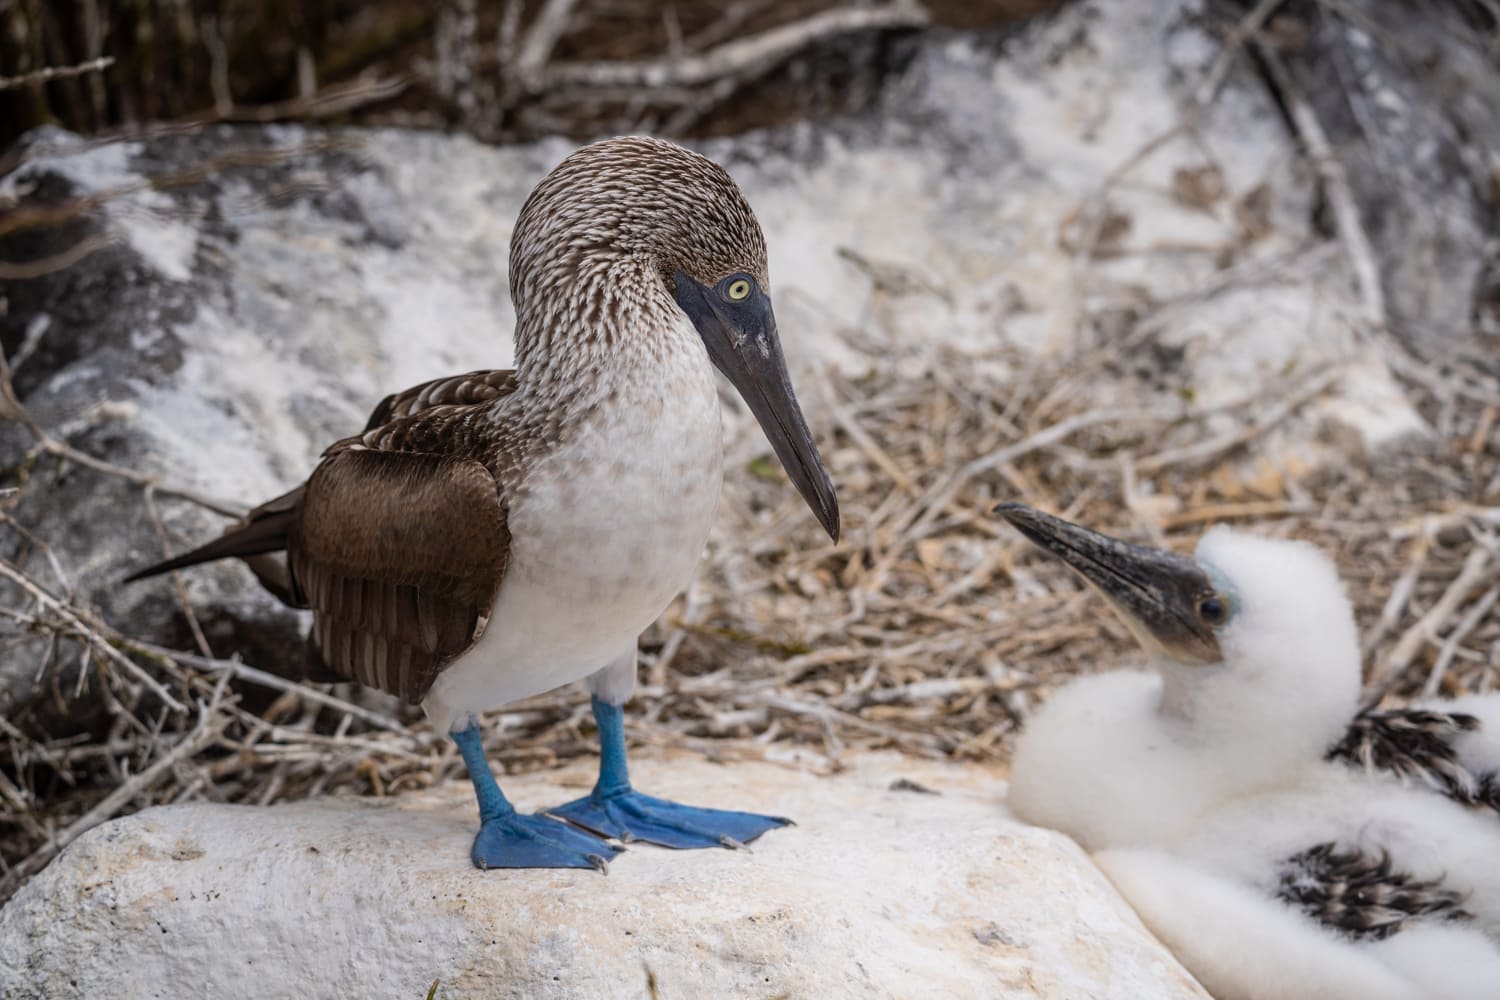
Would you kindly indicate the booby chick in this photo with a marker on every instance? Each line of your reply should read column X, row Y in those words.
column 494, row 535
column 1243, row 944
column 1212, row 772
column 1256, row 674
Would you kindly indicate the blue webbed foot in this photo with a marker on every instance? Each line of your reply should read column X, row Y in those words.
column 508, row 839
column 627, row 815
column 615, row 809
column 519, row 841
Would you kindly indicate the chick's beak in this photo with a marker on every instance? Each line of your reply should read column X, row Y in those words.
column 1155, row 592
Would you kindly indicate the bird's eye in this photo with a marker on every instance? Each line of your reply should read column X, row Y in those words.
column 738, row 290
column 1212, row 610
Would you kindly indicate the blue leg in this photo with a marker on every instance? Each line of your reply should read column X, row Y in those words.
column 614, row 809
column 508, row 839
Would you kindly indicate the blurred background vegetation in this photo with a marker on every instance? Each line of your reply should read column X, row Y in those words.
column 499, row 69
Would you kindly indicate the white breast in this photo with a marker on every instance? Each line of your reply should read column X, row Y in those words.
column 604, row 533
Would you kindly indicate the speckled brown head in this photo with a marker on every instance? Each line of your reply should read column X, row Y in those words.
column 624, row 238
column 634, row 197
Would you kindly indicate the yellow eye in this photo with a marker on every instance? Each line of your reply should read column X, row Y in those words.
column 738, row 290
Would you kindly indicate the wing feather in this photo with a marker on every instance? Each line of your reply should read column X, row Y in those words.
column 397, row 542
column 401, row 555
column 1419, row 746
column 471, row 387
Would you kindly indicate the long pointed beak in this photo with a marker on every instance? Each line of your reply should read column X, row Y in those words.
column 742, row 342
column 1156, row 593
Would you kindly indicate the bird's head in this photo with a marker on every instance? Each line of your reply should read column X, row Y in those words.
column 1257, row 604
column 676, row 224
column 1170, row 603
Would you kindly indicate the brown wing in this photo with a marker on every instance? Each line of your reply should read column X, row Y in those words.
column 262, row 533
column 472, row 387
column 398, row 550
column 400, row 556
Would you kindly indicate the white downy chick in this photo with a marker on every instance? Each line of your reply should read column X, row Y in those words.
column 1277, row 874
column 1243, row 945
column 1257, row 675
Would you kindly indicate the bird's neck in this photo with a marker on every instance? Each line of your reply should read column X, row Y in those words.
column 583, row 334
column 614, row 339
column 1267, row 715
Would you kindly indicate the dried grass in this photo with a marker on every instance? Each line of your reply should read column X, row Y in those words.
column 930, row 628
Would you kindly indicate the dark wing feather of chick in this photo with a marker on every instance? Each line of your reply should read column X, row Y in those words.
column 1360, row 895
column 1419, row 745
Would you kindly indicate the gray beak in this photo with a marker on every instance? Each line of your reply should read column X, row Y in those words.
column 1158, row 594
column 741, row 339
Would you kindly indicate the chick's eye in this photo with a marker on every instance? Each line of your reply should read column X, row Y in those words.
column 1212, row 610
column 738, row 290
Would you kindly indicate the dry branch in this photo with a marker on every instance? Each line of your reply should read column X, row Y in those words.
column 12, row 409
column 738, row 59
column 31, row 269
column 541, row 38
column 1475, row 572
column 56, row 73
column 1346, row 215
column 237, row 669
column 335, row 99
column 76, row 624
column 1267, row 418
column 210, row 726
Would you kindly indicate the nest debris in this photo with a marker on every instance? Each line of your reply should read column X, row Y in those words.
column 930, row 628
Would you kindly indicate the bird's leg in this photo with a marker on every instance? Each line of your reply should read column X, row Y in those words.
column 508, row 839
column 615, row 809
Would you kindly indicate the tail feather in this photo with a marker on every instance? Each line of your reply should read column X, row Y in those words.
column 265, row 530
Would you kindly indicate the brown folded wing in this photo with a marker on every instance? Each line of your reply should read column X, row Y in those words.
column 400, row 556
column 471, row 387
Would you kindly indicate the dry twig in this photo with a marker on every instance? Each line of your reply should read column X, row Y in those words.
column 740, row 58
column 56, row 73
column 1335, row 179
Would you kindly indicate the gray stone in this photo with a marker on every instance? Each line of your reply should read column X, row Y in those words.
column 1409, row 96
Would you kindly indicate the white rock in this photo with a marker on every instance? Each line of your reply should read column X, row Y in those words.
column 875, row 893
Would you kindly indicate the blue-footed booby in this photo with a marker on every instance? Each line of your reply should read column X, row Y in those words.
column 494, row 535
column 1221, row 761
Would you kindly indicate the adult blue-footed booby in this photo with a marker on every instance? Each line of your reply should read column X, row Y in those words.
column 1217, row 766
column 495, row 535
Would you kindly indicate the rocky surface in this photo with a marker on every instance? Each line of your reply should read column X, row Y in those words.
column 1407, row 96
column 877, row 892
column 262, row 287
